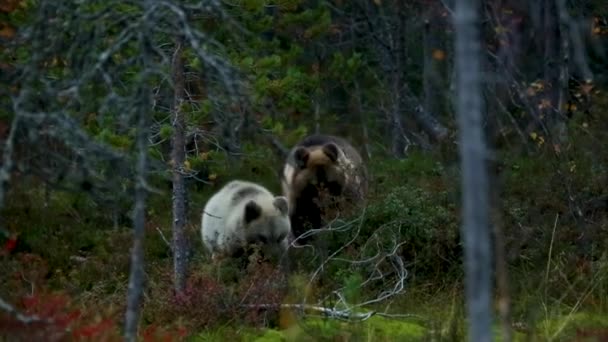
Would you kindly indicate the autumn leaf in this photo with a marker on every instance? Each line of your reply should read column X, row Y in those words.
column 557, row 148
column 530, row 91
column 7, row 31
column 537, row 85
column 8, row 6
column 438, row 54
column 533, row 135
column 586, row 88
column 544, row 104
column 10, row 244
column 212, row 177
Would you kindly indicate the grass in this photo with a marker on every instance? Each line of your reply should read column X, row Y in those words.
column 558, row 291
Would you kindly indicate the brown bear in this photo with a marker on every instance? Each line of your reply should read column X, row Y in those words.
column 323, row 178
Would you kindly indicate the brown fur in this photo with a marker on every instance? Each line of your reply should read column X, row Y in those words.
column 324, row 177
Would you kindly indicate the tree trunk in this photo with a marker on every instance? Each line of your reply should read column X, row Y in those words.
column 550, row 110
column 475, row 228
column 136, row 277
column 432, row 97
column 398, row 143
column 178, row 156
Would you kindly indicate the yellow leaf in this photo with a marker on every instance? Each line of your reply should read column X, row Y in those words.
column 6, row 31
column 586, row 88
column 212, row 177
column 530, row 91
column 204, row 155
column 187, row 165
column 544, row 103
column 541, row 141
column 438, row 54
column 533, row 135
column 538, row 85
column 557, row 148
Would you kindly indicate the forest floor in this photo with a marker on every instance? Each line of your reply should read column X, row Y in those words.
column 70, row 261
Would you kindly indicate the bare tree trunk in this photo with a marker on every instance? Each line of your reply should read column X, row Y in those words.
column 365, row 132
column 475, row 228
column 7, row 158
column 431, row 96
column 397, row 80
column 178, row 156
column 551, row 63
column 136, row 277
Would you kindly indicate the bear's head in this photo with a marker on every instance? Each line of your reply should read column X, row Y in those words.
column 316, row 168
column 266, row 222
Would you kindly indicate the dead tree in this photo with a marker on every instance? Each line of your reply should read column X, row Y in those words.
column 178, row 156
column 475, row 228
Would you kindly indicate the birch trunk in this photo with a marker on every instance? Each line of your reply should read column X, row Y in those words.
column 475, row 228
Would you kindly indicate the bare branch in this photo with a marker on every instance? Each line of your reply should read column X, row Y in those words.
column 25, row 319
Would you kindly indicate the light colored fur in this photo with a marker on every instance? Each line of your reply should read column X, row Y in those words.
column 223, row 226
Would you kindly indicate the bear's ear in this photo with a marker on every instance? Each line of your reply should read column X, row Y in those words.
column 252, row 211
column 280, row 202
column 301, row 157
column 331, row 151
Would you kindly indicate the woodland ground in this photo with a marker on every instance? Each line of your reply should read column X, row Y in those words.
column 70, row 262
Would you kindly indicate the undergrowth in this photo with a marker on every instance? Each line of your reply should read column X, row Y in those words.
column 68, row 261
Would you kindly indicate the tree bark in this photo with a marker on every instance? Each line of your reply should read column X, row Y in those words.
column 432, row 97
column 178, row 156
column 136, row 277
column 552, row 63
column 475, row 228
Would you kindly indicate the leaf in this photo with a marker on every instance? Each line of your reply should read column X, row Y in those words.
column 533, row 135
column 7, row 31
column 544, row 104
column 438, row 54
column 166, row 131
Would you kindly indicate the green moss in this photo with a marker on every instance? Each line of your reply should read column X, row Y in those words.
column 566, row 326
column 271, row 335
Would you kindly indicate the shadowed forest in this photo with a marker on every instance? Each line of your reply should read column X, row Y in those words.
column 482, row 214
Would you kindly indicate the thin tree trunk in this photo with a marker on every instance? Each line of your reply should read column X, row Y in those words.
column 502, row 273
column 431, row 97
column 396, row 77
column 178, row 156
column 551, row 63
column 364, row 129
column 475, row 228
column 7, row 158
column 136, row 277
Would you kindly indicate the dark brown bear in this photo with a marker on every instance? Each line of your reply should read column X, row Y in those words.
column 323, row 178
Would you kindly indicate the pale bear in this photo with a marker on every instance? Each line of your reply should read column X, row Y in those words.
column 243, row 213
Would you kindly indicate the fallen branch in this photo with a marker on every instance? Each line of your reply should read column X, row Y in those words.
column 346, row 315
column 11, row 310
